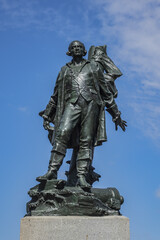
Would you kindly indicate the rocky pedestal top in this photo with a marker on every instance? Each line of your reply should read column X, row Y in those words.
column 53, row 197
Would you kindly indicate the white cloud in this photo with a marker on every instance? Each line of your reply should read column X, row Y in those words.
column 42, row 16
column 29, row 15
column 22, row 109
column 134, row 24
column 134, row 27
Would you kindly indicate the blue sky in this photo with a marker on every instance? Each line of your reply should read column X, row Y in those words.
column 34, row 39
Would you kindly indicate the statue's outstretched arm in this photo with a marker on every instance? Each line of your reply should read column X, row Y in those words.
column 116, row 117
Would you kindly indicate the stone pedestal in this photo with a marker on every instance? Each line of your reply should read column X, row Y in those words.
column 75, row 228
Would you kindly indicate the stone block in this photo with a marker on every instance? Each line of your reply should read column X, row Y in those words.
column 74, row 228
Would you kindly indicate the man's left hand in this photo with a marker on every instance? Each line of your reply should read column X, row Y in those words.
column 121, row 123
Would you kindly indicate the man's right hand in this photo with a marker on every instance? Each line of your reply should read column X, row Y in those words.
column 46, row 124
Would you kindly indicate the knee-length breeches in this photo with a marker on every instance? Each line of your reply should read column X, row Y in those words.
column 85, row 115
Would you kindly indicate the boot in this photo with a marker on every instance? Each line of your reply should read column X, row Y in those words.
column 51, row 174
column 54, row 165
column 82, row 170
column 81, row 182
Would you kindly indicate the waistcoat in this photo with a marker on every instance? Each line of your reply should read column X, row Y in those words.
column 79, row 81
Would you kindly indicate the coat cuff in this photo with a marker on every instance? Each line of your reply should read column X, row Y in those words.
column 114, row 112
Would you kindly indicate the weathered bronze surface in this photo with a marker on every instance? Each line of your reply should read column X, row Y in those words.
column 84, row 88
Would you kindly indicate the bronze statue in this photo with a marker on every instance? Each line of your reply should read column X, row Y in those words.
column 84, row 88
column 76, row 108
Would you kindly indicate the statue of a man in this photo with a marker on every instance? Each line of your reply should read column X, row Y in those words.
column 76, row 108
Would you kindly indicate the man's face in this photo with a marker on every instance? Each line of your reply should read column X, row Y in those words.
column 76, row 49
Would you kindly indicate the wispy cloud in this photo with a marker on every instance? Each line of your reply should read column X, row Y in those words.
column 22, row 109
column 134, row 28
column 50, row 16
column 27, row 15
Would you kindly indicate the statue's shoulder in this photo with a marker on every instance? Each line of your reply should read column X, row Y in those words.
column 62, row 72
column 63, row 69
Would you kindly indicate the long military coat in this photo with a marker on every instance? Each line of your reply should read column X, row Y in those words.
column 59, row 99
column 55, row 108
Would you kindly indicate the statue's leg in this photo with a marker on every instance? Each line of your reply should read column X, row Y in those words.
column 82, row 170
column 89, row 125
column 72, row 173
column 55, row 162
column 68, row 122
